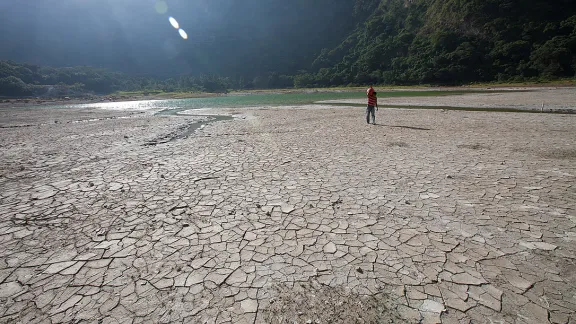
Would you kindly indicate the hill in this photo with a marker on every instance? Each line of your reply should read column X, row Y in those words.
column 451, row 42
column 276, row 44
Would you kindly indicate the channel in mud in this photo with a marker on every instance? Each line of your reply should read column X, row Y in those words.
column 186, row 130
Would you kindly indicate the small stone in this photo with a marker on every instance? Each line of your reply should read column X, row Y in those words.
column 359, row 270
column 249, row 305
column 287, row 209
column 545, row 246
column 330, row 248
column 44, row 193
column 237, row 278
column 432, row 306
column 249, row 236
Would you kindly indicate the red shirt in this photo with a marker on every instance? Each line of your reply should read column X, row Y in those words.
column 372, row 100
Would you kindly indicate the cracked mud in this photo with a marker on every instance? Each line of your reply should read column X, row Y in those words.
column 431, row 216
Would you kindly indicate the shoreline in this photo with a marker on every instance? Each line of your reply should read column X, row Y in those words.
column 46, row 102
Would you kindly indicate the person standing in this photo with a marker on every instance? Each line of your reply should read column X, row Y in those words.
column 372, row 105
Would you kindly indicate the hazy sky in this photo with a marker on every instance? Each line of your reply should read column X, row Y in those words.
column 132, row 35
column 101, row 32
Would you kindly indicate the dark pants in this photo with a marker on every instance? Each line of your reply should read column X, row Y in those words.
column 370, row 110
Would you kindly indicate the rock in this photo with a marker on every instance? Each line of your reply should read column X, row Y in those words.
column 43, row 193
column 432, row 306
column 545, row 246
column 10, row 289
column 330, row 248
column 249, row 236
column 519, row 282
column 115, row 186
column 249, row 305
column 287, row 209
column 238, row 277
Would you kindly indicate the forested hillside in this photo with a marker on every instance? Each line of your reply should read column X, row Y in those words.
column 452, row 42
column 279, row 44
column 23, row 80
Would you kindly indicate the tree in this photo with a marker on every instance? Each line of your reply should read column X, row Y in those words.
column 14, row 87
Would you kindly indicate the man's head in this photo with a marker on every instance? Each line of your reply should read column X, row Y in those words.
column 370, row 91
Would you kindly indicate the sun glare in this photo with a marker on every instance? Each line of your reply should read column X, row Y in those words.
column 183, row 33
column 174, row 22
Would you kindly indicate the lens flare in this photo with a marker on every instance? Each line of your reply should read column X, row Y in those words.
column 174, row 22
column 161, row 7
column 183, row 33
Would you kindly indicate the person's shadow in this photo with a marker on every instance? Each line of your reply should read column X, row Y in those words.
column 408, row 127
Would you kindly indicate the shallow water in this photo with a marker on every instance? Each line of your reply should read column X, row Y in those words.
column 251, row 100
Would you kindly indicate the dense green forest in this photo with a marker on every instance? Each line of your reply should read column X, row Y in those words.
column 397, row 42
column 21, row 80
column 452, row 42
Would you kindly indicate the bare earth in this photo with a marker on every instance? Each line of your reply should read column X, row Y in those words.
column 288, row 215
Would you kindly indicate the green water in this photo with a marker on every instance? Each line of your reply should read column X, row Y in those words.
column 291, row 99
column 251, row 100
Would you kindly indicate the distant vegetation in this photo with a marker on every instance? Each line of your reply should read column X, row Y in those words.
column 451, row 42
column 19, row 80
column 394, row 42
